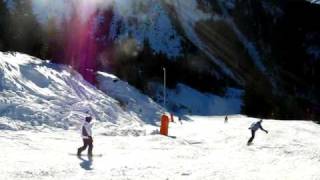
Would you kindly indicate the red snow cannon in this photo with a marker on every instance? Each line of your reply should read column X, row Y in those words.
column 164, row 125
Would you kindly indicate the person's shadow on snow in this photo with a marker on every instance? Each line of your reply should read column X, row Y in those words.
column 86, row 164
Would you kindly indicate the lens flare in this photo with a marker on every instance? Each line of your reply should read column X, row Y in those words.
column 80, row 23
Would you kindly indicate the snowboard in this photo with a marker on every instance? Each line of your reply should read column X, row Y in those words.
column 85, row 155
column 249, row 144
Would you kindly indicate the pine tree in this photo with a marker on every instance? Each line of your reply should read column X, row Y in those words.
column 3, row 22
column 23, row 32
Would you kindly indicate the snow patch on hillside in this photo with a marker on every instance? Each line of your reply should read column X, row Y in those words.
column 190, row 101
column 314, row 1
column 230, row 4
column 146, row 20
column 185, row 100
column 272, row 9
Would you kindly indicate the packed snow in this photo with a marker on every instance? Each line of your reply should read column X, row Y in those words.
column 199, row 148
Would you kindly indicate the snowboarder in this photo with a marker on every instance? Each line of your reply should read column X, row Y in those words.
column 254, row 127
column 226, row 119
column 86, row 134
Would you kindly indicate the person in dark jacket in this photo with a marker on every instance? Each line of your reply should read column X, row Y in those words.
column 254, row 127
column 86, row 134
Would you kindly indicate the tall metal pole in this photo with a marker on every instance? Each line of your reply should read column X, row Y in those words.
column 164, row 88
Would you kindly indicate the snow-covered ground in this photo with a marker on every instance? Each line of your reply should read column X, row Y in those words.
column 200, row 148
column 42, row 105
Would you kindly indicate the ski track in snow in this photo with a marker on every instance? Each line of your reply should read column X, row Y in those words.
column 202, row 148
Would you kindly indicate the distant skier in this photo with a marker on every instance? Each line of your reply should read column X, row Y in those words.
column 254, row 127
column 86, row 134
column 180, row 119
column 226, row 119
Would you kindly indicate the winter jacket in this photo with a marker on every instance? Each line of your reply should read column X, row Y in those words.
column 255, row 126
column 86, row 131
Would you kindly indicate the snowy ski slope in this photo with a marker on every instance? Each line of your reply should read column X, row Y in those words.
column 201, row 148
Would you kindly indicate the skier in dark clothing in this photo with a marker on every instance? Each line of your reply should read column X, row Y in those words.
column 226, row 119
column 254, row 127
column 86, row 134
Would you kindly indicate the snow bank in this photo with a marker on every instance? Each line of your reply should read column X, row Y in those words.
column 131, row 98
column 39, row 93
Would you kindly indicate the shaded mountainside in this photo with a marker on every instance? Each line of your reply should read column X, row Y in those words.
column 287, row 40
column 271, row 49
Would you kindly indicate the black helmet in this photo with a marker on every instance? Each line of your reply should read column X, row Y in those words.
column 88, row 118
